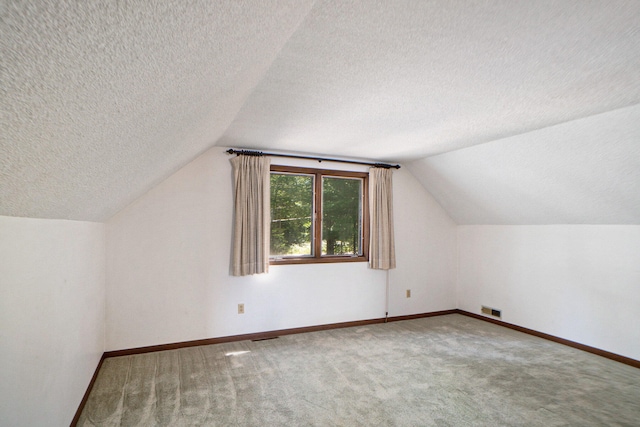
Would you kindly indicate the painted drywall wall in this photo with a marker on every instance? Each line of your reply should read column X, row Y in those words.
column 578, row 282
column 168, row 266
column 52, row 298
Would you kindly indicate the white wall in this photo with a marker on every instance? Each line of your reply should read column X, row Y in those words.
column 425, row 250
column 168, row 266
column 578, row 282
column 52, row 298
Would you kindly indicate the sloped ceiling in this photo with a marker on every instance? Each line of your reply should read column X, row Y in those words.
column 101, row 100
column 401, row 80
column 586, row 171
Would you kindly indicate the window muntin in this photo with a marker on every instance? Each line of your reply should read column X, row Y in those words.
column 318, row 215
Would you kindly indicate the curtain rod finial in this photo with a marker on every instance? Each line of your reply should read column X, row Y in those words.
column 386, row 166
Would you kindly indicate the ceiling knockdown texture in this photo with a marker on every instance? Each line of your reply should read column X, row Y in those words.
column 583, row 172
column 101, row 100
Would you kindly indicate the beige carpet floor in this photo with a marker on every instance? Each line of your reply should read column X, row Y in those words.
column 441, row 371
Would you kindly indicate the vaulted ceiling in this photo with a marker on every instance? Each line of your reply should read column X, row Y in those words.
column 509, row 112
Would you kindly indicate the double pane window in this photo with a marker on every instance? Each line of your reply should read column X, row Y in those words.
column 318, row 215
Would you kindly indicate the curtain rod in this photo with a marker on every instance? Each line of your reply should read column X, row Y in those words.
column 319, row 159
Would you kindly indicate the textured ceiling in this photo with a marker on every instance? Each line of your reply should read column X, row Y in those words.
column 101, row 100
column 583, row 172
column 398, row 80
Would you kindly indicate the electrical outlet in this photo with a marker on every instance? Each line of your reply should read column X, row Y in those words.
column 408, row 293
column 240, row 308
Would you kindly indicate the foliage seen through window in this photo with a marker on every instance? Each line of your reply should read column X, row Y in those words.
column 317, row 215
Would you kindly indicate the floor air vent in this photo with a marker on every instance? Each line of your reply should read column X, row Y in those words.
column 264, row 339
column 491, row 312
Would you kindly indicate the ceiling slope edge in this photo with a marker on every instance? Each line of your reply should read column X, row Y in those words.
column 95, row 120
column 560, row 123
column 585, row 171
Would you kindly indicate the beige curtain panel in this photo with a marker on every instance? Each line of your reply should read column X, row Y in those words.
column 251, row 215
column 382, row 252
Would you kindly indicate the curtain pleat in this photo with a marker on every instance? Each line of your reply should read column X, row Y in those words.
column 382, row 253
column 251, row 215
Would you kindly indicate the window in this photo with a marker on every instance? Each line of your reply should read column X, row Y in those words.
column 318, row 215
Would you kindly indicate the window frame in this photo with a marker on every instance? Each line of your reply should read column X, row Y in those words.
column 316, row 241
